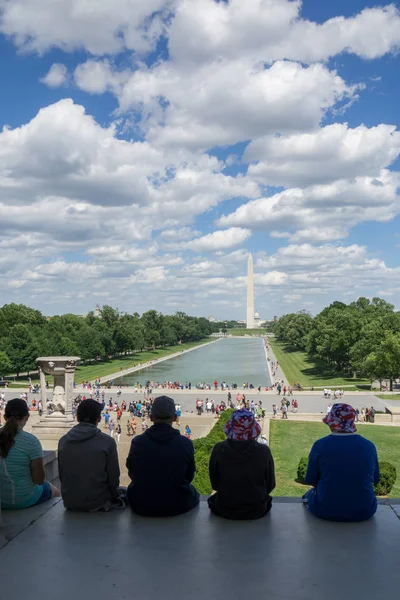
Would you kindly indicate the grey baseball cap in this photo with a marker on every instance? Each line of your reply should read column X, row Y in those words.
column 163, row 408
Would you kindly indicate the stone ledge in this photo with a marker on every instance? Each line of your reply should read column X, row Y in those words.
column 14, row 521
column 288, row 555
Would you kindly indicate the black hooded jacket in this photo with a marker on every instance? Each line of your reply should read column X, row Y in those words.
column 161, row 466
column 243, row 475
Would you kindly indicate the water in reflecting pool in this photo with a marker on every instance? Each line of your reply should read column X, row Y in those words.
column 232, row 360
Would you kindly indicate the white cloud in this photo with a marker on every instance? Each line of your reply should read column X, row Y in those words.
column 271, row 278
column 238, row 100
column 273, row 30
column 289, row 298
column 325, row 211
column 198, row 31
column 56, row 77
column 333, row 152
column 97, row 77
column 182, row 233
column 150, row 275
column 219, row 240
column 308, row 256
column 85, row 211
column 101, row 27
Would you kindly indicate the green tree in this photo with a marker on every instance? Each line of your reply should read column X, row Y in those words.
column 384, row 362
column 22, row 348
column 5, row 364
column 18, row 314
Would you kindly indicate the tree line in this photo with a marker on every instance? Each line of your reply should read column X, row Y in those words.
column 25, row 334
column 362, row 337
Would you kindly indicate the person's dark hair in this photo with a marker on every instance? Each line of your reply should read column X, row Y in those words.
column 16, row 410
column 89, row 411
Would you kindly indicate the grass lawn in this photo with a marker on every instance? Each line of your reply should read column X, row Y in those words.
column 300, row 368
column 388, row 396
column 291, row 440
column 246, row 331
column 107, row 367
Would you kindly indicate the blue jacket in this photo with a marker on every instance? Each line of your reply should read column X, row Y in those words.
column 161, row 466
column 343, row 468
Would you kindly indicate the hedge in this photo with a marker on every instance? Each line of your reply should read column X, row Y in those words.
column 202, row 452
column 302, row 469
column 383, row 488
column 388, row 477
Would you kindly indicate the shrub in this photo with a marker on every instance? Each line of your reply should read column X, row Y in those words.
column 202, row 452
column 383, row 488
column 302, row 469
column 388, row 478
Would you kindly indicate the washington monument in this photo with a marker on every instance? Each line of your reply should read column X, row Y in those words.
column 250, row 294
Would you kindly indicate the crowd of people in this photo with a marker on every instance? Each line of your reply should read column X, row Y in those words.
column 342, row 467
column 149, row 386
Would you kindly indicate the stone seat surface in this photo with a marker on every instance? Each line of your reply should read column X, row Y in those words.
column 286, row 555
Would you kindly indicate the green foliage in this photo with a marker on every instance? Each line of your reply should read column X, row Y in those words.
column 362, row 337
column 383, row 488
column 302, row 469
column 203, row 448
column 26, row 334
column 388, row 479
column 5, row 364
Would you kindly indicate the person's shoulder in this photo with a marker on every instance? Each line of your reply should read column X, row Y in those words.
column 219, row 446
column 364, row 442
column 28, row 438
column 327, row 439
column 183, row 440
column 106, row 439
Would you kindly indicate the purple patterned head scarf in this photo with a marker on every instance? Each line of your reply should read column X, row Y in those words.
column 341, row 418
column 242, row 426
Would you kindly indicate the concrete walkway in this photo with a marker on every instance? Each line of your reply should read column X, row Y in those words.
column 308, row 402
column 279, row 374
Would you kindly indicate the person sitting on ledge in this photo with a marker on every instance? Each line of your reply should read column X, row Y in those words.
column 242, row 471
column 22, row 475
column 343, row 468
column 161, row 466
column 88, row 464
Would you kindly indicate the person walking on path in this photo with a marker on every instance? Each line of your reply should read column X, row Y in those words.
column 118, row 431
column 111, row 427
column 284, row 410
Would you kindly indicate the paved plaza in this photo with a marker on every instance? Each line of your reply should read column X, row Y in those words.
column 309, row 402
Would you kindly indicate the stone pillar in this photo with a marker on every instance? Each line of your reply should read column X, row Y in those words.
column 56, row 424
column 43, row 390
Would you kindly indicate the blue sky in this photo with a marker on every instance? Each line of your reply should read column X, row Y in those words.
column 147, row 148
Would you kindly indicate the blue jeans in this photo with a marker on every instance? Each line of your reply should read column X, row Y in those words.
column 46, row 493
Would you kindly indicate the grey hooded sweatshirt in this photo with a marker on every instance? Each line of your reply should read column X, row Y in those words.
column 88, row 467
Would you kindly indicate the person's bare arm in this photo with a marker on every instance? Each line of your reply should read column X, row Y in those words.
column 38, row 473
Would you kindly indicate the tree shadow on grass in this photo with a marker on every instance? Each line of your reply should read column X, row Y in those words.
column 321, row 371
